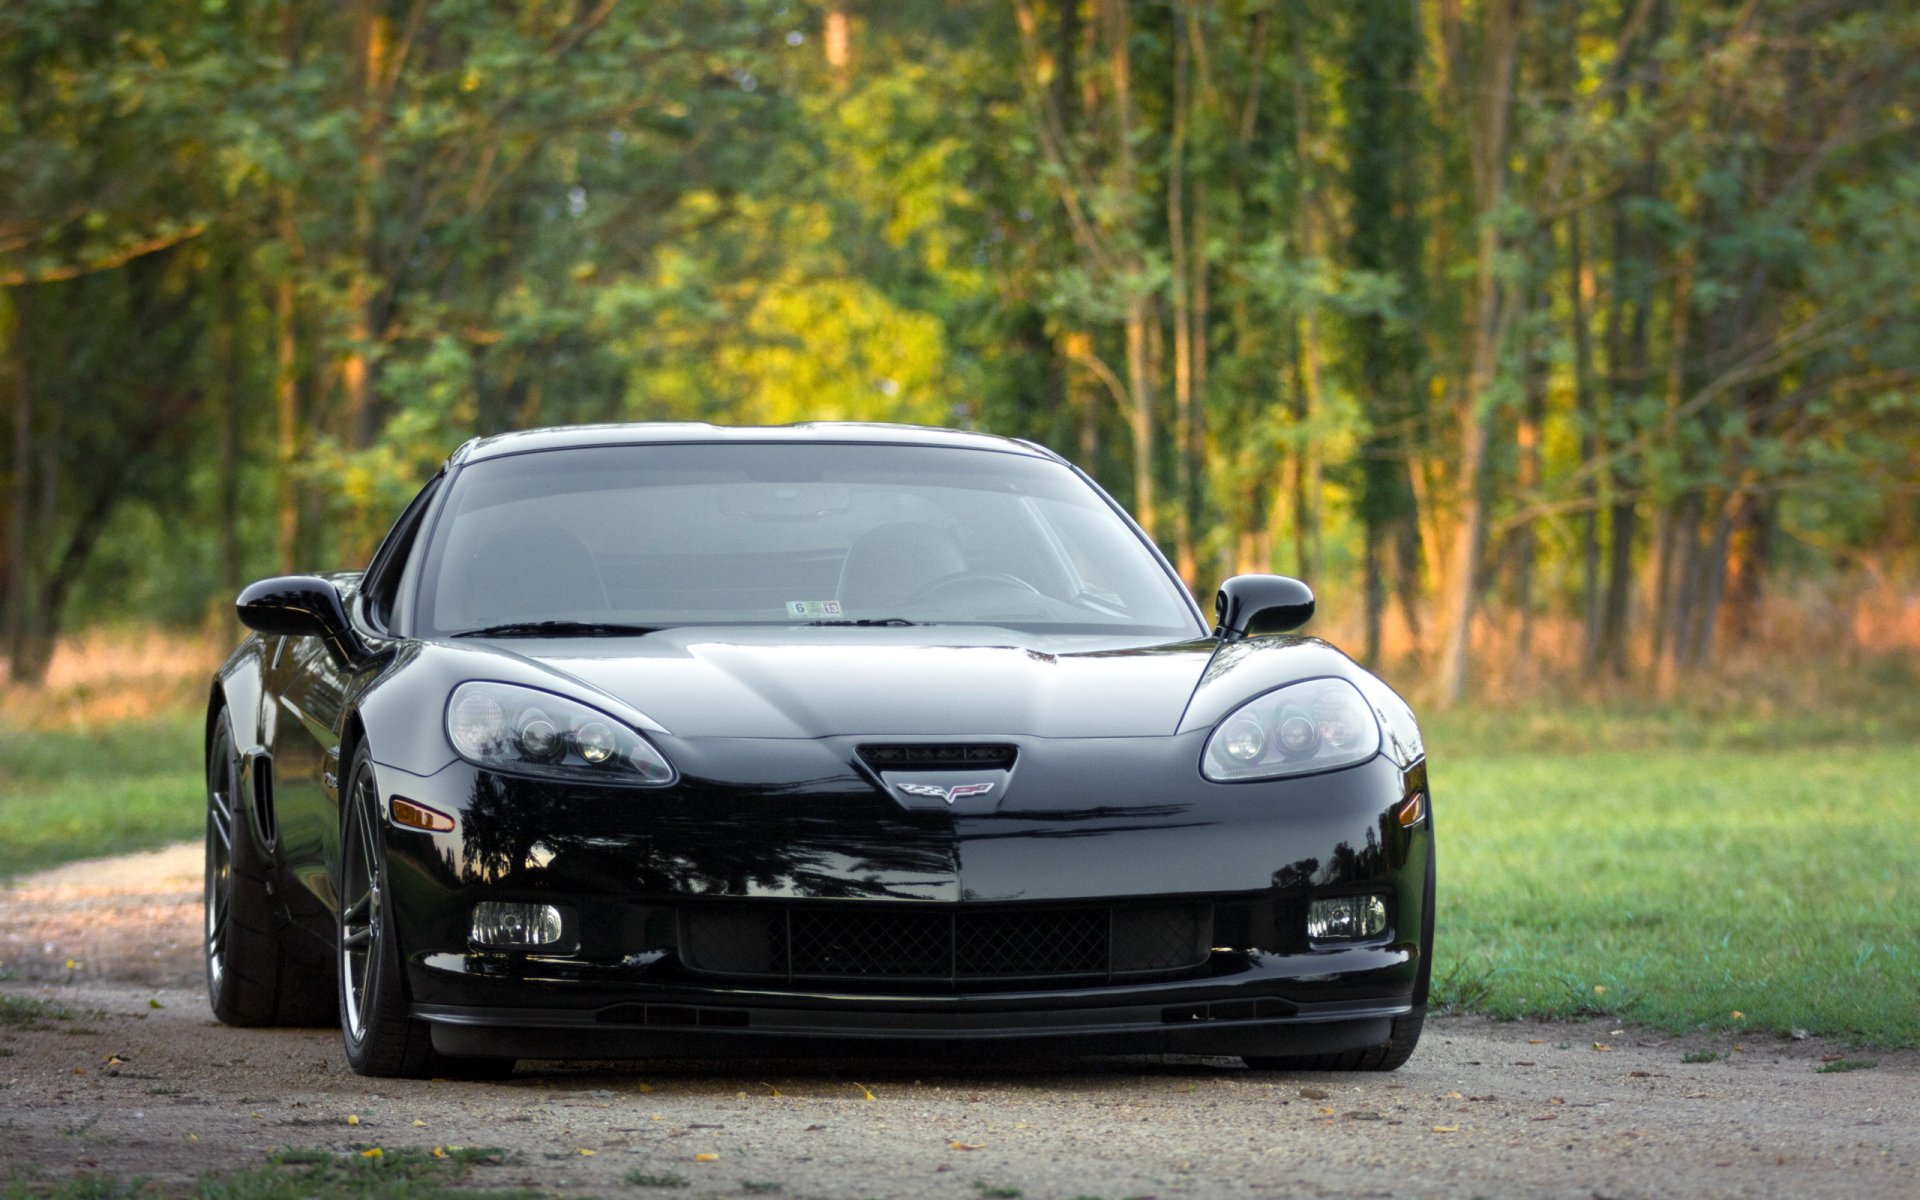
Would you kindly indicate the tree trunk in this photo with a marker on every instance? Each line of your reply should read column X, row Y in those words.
column 1306, row 461
column 1628, row 317
column 1527, row 437
column 837, row 41
column 1588, row 419
column 1065, row 84
column 1199, row 484
column 1373, row 585
column 1749, row 558
column 286, row 392
column 1407, row 572
column 226, row 380
column 43, row 606
column 1489, row 146
column 371, row 45
column 1140, row 417
column 1138, row 313
column 1182, row 302
column 1713, row 583
column 20, row 623
column 1621, row 520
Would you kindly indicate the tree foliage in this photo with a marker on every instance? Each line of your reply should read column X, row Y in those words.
column 1524, row 306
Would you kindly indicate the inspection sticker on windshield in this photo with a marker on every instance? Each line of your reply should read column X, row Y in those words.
column 813, row 608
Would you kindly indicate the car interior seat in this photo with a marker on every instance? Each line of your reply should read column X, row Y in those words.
column 522, row 573
column 889, row 564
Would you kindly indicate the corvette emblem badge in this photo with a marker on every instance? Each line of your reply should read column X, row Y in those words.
column 949, row 794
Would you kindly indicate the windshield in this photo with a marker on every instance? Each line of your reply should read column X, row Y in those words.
column 633, row 537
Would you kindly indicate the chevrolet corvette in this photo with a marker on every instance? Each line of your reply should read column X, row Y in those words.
column 670, row 740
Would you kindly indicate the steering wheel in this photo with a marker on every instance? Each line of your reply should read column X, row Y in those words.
column 965, row 579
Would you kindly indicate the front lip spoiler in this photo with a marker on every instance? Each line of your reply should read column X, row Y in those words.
column 1268, row 1026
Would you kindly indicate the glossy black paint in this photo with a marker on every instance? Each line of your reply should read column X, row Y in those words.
column 1251, row 605
column 301, row 606
column 1104, row 801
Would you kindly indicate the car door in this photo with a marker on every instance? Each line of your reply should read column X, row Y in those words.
column 308, row 690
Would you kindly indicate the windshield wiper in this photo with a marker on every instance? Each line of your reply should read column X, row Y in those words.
column 559, row 629
column 869, row 621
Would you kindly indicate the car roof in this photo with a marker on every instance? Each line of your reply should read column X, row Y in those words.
column 563, row 437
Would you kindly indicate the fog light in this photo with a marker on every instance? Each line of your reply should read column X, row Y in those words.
column 497, row 923
column 1346, row 918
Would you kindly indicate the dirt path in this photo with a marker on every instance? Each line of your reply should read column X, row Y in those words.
column 139, row 1080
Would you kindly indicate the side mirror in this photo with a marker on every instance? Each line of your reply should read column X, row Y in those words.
column 302, row 606
column 1250, row 605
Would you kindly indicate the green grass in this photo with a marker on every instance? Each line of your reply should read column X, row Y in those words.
column 1758, row 877
column 67, row 794
column 1848, row 1064
column 301, row 1175
column 25, row 1012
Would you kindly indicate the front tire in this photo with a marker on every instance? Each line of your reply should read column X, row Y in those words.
column 252, row 979
column 382, row 1037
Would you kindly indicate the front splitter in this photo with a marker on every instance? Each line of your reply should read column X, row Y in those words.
column 691, row 1031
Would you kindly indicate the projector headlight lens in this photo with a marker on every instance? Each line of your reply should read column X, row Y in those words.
column 1300, row 729
column 523, row 731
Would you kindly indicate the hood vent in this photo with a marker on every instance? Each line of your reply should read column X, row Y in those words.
column 937, row 756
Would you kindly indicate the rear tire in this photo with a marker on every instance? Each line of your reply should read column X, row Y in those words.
column 382, row 1037
column 252, row 979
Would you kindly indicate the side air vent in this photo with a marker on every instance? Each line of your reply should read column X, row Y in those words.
column 934, row 756
column 263, row 798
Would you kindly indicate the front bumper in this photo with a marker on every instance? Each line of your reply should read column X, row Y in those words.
column 630, row 869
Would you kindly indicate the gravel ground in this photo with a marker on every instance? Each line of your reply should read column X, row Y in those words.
column 141, row 1081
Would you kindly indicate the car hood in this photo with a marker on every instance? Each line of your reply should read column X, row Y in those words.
column 883, row 682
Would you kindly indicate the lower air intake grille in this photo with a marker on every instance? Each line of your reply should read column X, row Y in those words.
column 945, row 942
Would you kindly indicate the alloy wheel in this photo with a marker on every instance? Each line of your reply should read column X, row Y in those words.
column 222, row 781
column 360, row 915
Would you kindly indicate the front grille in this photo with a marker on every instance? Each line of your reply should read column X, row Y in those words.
column 952, row 943
column 928, row 756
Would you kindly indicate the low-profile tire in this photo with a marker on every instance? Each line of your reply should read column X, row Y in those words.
column 1406, row 1029
column 382, row 1037
column 252, row 978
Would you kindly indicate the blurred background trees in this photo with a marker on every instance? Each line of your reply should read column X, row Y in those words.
column 1527, row 330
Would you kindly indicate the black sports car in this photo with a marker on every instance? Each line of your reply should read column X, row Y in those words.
column 654, row 740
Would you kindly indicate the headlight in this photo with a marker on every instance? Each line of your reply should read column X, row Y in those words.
column 1295, row 730
column 527, row 732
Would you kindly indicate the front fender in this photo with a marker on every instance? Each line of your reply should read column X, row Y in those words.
column 1241, row 670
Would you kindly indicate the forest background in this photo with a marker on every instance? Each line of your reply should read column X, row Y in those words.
column 1558, row 340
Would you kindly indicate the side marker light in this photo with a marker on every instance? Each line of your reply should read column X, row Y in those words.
column 419, row 816
column 1413, row 811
